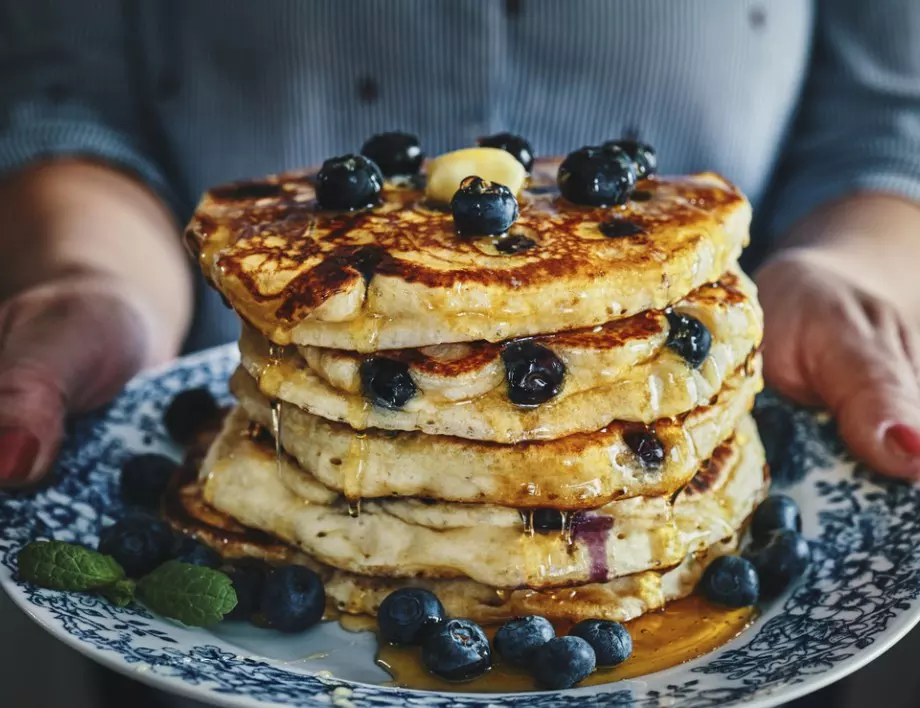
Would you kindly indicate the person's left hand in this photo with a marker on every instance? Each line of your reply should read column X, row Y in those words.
column 827, row 342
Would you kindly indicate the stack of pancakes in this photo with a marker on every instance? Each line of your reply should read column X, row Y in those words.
column 509, row 421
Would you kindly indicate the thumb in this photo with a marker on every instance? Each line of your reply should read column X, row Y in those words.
column 866, row 377
column 64, row 347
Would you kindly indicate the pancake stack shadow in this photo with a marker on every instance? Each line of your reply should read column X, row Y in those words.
column 552, row 421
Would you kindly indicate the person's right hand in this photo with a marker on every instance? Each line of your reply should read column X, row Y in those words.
column 93, row 287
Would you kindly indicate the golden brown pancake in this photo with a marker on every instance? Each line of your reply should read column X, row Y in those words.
column 620, row 371
column 618, row 600
column 579, row 471
column 490, row 544
column 399, row 276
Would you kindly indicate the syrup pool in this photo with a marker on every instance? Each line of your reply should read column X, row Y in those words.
column 684, row 630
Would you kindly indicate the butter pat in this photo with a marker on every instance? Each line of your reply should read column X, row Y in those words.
column 447, row 171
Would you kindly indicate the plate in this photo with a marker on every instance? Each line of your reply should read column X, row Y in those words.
column 860, row 594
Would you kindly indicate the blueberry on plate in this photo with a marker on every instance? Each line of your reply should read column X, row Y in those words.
column 597, row 177
column 730, row 581
column 775, row 513
column 138, row 544
column 144, row 479
column 483, row 208
column 396, row 154
column 387, row 382
column 611, row 641
column 348, row 182
column 293, row 598
column 189, row 413
column 248, row 580
column 689, row 338
column 534, row 374
column 193, row 552
column 646, row 446
column 562, row 662
column 781, row 560
column 517, row 639
column 778, row 434
column 510, row 143
column 456, row 650
column 642, row 154
column 407, row 614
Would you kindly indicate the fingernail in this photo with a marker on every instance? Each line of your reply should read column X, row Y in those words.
column 903, row 440
column 18, row 452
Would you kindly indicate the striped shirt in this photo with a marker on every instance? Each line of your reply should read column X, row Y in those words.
column 797, row 101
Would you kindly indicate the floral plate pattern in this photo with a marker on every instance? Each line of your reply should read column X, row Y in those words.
column 860, row 595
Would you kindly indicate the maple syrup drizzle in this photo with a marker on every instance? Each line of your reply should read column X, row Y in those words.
column 355, row 463
column 684, row 630
column 274, row 361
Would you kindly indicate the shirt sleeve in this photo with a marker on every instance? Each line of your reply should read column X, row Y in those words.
column 858, row 127
column 67, row 88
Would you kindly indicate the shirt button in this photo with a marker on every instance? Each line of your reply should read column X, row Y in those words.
column 368, row 90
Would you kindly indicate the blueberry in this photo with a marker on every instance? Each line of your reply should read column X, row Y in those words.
column 348, row 182
column 642, row 154
column 138, row 543
column 293, row 598
column 248, row 580
column 457, row 650
column 189, row 413
column 689, row 338
column 545, row 519
column 776, row 512
column 144, row 479
column 778, row 434
column 611, row 641
column 510, row 143
column 483, row 208
column 618, row 228
column 779, row 561
column 597, row 177
column 646, row 446
column 517, row 639
column 407, row 614
column 533, row 373
column 195, row 553
column 730, row 581
column 562, row 662
column 514, row 243
column 396, row 154
column 387, row 382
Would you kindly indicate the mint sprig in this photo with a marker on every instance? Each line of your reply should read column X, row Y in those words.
column 194, row 595
column 121, row 594
column 64, row 566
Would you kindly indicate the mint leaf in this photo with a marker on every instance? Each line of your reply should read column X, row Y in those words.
column 67, row 566
column 194, row 595
column 121, row 593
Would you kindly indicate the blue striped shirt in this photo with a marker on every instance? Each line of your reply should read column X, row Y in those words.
column 797, row 101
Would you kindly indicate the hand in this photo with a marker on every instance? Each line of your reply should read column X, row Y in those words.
column 827, row 342
column 93, row 286
column 65, row 347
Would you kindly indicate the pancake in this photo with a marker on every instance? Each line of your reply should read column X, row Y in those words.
column 619, row 600
column 490, row 544
column 578, row 471
column 620, row 371
column 399, row 276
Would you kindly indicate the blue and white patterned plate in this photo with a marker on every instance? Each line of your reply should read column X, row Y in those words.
column 859, row 597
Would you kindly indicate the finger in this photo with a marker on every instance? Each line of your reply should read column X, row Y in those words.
column 64, row 347
column 867, row 380
column 782, row 349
